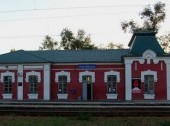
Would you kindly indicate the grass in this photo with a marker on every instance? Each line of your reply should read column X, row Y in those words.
column 83, row 120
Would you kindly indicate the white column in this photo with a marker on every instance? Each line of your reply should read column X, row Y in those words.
column 20, row 82
column 128, row 80
column 168, row 78
column 46, row 81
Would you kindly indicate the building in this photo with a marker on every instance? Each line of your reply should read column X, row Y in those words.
column 138, row 73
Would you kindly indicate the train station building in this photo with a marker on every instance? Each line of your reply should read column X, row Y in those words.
column 141, row 72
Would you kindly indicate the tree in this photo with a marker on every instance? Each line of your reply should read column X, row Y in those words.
column 48, row 44
column 112, row 45
column 152, row 18
column 81, row 41
column 12, row 50
column 165, row 42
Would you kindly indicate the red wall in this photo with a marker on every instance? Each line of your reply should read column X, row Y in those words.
column 160, row 85
column 99, row 86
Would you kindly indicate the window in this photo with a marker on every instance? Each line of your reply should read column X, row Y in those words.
column 62, row 84
column 149, row 84
column 111, row 84
column 33, row 84
column 7, row 84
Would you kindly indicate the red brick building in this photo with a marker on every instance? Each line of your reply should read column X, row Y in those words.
column 138, row 73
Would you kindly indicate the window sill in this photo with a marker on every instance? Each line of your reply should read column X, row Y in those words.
column 7, row 96
column 149, row 96
column 32, row 96
column 111, row 96
column 62, row 96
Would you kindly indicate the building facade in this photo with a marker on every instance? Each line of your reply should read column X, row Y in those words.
column 139, row 73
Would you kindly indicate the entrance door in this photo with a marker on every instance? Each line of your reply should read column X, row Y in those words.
column 87, row 88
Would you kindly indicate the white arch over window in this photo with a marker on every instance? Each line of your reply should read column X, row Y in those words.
column 62, row 73
column 33, row 73
column 7, row 73
column 149, row 72
column 117, row 74
column 88, row 73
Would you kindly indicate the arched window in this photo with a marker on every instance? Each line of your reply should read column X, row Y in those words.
column 62, row 84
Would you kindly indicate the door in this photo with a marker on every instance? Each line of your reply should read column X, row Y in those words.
column 87, row 88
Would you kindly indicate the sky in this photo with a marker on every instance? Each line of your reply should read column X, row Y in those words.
column 24, row 23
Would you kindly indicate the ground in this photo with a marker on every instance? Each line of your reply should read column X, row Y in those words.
column 82, row 120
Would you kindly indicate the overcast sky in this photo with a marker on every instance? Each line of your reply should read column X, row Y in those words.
column 24, row 23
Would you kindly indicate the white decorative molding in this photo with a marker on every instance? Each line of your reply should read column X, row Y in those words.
column 148, row 55
column 33, row 67
column 8, row 67
column 111, row 96
column 149, row 96
column 62, row 96
column 47, row 82
column 128, row 77
column 7, row 73
column 33, row 73
column 86, row 73
column 117, row 74
column 32, row 96
column 149, row 72
column 62, row 73
column 7, row 96
column 20, row 80
column 168, row 78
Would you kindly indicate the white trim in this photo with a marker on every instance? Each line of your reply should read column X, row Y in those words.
column 128, row 78
column 8, row 67
column 148, row 55
column 32, row 96
column 62, row 96
column 149, row 96
column 149, row 72
column 7, row 73
column 81, row 74
column 7, row 96
column 168, row 78
column 117, row 74
column 33, row 67
column 32, row 73
column 111, row 96
column 47, row 81
column 62, row 73
column 20, row 80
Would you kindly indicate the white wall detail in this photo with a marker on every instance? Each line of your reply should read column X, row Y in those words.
column 62, row 73
column 168, row 77
column 62, row 96
column 7, row 73
column 32, row 96
column 20, row 80
column 117, row 74
column 47, row 81
column 88, row 73
column 148, row 55
column 149, row 72
column 128, row 77
column 149, row 96
column 111, row 96
column 7, row 96
column 33, row 73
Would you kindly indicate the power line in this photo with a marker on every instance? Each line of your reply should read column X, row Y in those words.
column 64, row 8
column 67, row 16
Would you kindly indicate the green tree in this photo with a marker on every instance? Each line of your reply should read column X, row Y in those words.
column 80, row 41
column 164, row 41
column 48, row 44
column 151, row 17
column 112, row 45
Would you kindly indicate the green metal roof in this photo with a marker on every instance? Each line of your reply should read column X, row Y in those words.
column 64, row 56
column 142, row 41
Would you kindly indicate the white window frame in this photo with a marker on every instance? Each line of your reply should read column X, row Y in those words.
column 149, row 72
column 7, row 73
column 34, row 74
column 62, row 73
column 86, row 73
column 115, row 73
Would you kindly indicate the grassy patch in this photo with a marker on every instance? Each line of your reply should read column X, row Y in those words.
column 83, row 120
